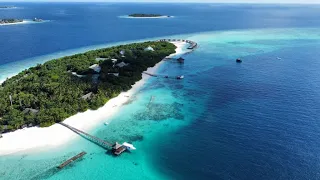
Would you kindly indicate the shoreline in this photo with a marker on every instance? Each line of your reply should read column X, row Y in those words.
column 17, row 23
column 158, row 17
column 25, row 21
column 55, row 135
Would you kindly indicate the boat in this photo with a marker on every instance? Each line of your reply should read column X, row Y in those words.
column 278, row 58
column 106, row 123
column 180, row 77
column 239, row 60
column 128, row 146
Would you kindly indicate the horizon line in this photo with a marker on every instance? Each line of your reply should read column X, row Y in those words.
column 172, row 2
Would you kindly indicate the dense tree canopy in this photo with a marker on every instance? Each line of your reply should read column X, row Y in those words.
column 8, row 21
column 145, row 15
column 60, row 88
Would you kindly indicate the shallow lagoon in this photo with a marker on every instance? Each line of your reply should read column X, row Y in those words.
column 255, row 120
column 162, row 127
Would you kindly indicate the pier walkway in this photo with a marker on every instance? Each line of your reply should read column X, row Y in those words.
column 67, row 162
column 97, row 140
column 164, row 76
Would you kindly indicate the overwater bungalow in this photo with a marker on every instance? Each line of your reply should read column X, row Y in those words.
column 117, row 149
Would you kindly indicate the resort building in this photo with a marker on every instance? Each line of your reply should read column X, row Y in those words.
column 87, row 96
column 30, row 110
column 101, row 59
column 122, row 64
column 122, row 52
column 96, row 68
column 115, row 74
column 149, row 49
column 117, row 149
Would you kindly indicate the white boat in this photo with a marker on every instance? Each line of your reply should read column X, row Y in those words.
column 106, row 123
column 180, row 77
column 278, row 58
column 129, row 146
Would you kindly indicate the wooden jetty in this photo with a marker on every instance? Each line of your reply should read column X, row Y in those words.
column 116, row 148
column 67, row 162
column 154, row 75
column 99, row 141
column 164, row 76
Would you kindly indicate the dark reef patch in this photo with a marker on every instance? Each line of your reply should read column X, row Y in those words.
column 132, row 138
column 159, row 112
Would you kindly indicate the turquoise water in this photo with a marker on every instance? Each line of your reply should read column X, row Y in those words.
column 255, row 120
column 156, row 128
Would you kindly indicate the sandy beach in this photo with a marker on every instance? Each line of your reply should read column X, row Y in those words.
column 23, row 22
column 35, row 137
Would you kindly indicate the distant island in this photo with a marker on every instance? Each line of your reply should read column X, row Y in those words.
column 7, row 7
column 147, row 15
column 60, row 88
column 10, row 21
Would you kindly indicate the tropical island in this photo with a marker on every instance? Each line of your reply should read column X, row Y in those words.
column 7, row 7
column 146, row 15
column 60, row 88
column 10, row 21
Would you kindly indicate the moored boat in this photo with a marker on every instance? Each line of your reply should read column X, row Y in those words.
column 239, row 60
column 180, row 77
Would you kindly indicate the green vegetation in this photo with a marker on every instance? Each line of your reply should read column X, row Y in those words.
column 7, row 21
column 146, row 15
column 51, row 92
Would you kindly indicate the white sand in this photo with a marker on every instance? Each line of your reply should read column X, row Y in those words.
column 23, row 22
column 55, row 135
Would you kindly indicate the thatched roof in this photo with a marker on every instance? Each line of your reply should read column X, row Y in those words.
column 116, row 145
column 30, row 110
column 122, row 64
column 87, row 96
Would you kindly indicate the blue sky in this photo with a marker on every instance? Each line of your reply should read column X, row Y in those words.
column 181, row 1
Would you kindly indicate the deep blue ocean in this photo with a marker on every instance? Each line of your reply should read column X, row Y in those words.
column 254, row 120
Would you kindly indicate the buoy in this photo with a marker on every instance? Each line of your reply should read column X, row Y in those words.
column 239, row 61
